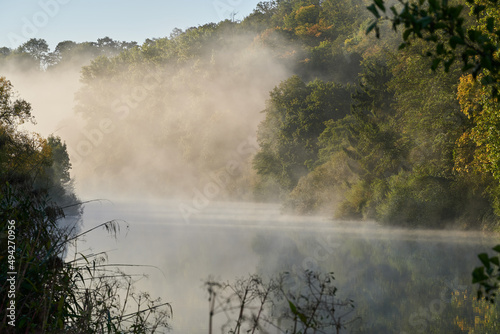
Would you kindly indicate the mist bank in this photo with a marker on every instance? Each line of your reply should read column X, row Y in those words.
column 294, row 104
column 398, row 280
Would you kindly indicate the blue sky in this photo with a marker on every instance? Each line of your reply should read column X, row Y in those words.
column 87, row 20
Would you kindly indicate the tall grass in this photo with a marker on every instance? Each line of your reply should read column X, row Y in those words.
column 55, row 295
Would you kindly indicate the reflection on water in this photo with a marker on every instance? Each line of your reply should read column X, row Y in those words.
column 400, row 280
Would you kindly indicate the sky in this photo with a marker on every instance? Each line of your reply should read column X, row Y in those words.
column 122, row 20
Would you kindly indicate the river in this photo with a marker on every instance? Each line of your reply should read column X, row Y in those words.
column 400, row 281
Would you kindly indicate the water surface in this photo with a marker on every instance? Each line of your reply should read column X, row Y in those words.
column 400, row 280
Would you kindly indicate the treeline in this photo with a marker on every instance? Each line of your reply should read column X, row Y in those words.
column 199, row 93
column 356, row 128
column 393, row 145
column 35, row 54
column 381, row 137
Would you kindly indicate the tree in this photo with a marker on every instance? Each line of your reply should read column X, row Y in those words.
column 51, row 295
column 295, row 117
column 12, row 112
column 370, row 139
column 5, row 51
column 444, row 26
column 260, row 18
column 30, row 160
column 36, row 48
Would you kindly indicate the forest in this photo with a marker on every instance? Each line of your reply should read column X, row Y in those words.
column 350, row 109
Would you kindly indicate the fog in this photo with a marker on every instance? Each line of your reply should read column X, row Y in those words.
column 400, row 280
column 169, row 147
column 158, row 130
column 168, row 131
column 51, row 95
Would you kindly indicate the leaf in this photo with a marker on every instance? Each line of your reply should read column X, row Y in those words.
column 84, row 257
column 31, row 283
column 435, row 63
column 473, row 34
column 455, row 40
column 490, row 24
column 371, row 27
column 407, row 33
column 497, row 248
column 448, row 63
column 374, row 10
column 432, row 38
column 487, row 80
column 294, row 310
column 478, row 275
column 394, row 11
column 433, row 4
column 484, row 259
column 88, row 269
column 440, row 49
column 292, row 307
column 455, row 11
column 79, row 274
column 380, row 4
column 478, row 9
column 460, row 32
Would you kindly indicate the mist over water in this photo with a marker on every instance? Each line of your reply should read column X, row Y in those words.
column 168, row 144
column 400, row 280
column 164, row 168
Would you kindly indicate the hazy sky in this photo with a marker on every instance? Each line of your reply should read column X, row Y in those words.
column 88, row 20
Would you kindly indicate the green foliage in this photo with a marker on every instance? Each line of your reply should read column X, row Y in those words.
column 398, row 147
column 324, row 188
column 295, row 117
column 377, row 144
column 310, row 36
column 431, row 113
column 488, row 276
column 398, row 144
column 356, row 132
column 41, row 280
column 424, row 201
column 29, row 160
column 37, row 48
column 444, row 25
column 35, row 55
column 369, row 142
column 260, row 18
column 53, row 295
column 12, row 111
